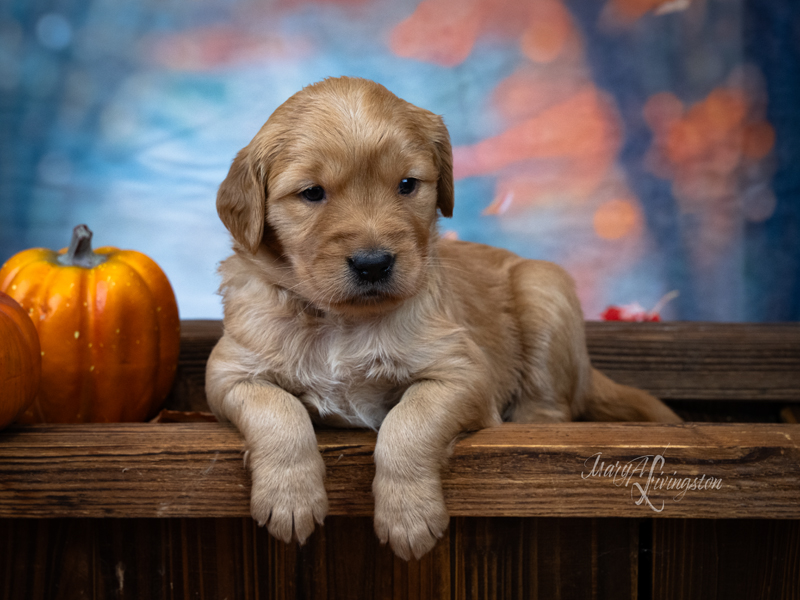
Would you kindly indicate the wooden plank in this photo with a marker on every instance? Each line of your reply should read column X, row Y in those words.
column 196, row 470
column 198, row 338
column 530, row 559
column 701, row 361
column 674, row 361
column 721, row 559
column 478, row 558
column 143, row 558
column 344, row 559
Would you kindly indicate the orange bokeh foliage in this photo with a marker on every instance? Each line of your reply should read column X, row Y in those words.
column 759, row 139
column 617, row 218
column 703, row 149
column 531, row 89
column 444, row 32
column 549, row 32
column 583, row 126
column 524, row 186
column 712, row 152
column 716, row 120
column 576, row 139
column 561, row 143
column 439, row 31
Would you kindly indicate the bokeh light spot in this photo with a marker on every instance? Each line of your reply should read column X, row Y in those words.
column 615, row 219
column 759, row 139
column 548, row 33
column 53, row 31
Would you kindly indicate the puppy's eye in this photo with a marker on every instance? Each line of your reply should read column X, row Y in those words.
column 313, row 194
column 407, row 186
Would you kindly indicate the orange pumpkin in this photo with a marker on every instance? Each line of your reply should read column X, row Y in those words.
column 108, row 326
column 20, row 361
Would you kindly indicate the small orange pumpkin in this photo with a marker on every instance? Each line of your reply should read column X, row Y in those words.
column 108, row 326
column 20, row 361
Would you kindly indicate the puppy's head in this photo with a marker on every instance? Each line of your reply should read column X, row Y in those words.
column 342, row 184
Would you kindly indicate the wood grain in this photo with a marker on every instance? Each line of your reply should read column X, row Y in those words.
column 701, row 361
column 524, row 558
column 141, row 559
column 674, row 361
column 198, row 338
column 478, row 558
column 196, row 470
column 722, row 559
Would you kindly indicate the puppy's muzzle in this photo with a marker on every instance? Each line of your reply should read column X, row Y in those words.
column 371, row 266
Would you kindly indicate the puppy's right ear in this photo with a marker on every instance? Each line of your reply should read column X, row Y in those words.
column 242, row 202
column 443, row 154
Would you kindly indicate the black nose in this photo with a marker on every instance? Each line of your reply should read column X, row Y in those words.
column 372, row 266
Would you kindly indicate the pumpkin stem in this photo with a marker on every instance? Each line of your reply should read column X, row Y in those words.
column 80, row 252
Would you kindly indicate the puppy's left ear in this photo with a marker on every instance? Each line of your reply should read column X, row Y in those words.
column 443, row 155
column 241, row 202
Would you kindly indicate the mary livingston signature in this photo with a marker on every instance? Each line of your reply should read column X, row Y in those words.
column 646, row 473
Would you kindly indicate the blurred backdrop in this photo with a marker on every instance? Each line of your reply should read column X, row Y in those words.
column 645, row 145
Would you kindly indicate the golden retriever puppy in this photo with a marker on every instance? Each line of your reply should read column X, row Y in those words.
column 343, row 306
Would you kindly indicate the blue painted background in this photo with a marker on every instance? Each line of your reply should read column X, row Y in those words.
column 646, row 145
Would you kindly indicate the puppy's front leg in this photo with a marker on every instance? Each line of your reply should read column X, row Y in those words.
column 288, row 491
column 412, row 447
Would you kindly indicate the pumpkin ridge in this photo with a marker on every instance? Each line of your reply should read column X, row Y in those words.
column 35, row 268
column 10, row 330
column 84, row 340
column 13, row 265
column 62, row 386
column 23, row 280
column 136, row 344
column 20, row 360
column 82, row 350
column 166, row 317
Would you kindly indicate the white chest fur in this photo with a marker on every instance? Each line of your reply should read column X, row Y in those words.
column 348, row 374
column 353, row 377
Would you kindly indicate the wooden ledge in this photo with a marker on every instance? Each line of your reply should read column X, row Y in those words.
column 570, row 470
column 743, row 362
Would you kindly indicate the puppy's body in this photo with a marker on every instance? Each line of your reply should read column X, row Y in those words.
column 342, row 305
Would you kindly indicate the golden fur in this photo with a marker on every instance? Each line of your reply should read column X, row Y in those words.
column 456, row 337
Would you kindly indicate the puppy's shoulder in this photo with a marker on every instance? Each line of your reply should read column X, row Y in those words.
column 495, row 273
column 472, row 254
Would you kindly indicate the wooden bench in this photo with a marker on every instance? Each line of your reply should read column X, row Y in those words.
column 708, row 509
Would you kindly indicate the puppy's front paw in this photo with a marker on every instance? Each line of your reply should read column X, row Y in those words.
column 410, row 516
column 288, row 496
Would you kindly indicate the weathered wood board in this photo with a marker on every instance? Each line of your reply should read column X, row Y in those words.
column 567, row 470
